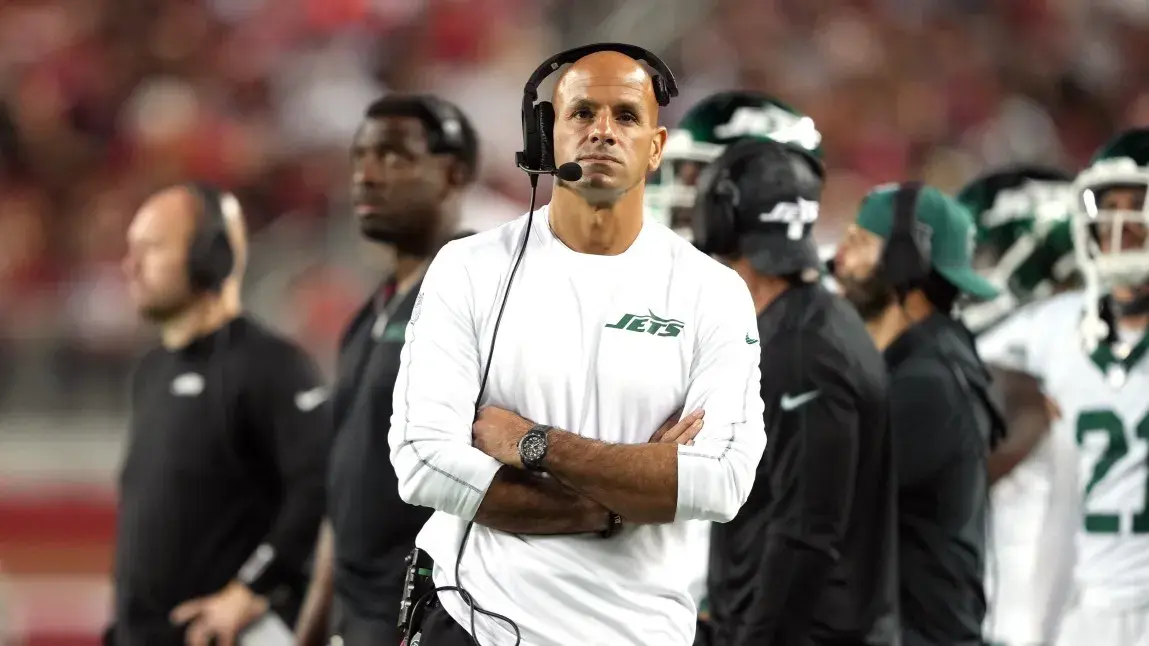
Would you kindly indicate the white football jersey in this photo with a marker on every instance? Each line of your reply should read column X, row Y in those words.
column 1103, row 397
column 1034, row 517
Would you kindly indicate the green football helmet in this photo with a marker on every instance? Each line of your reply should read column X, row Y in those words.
column 704, row 132
column 1122, row 163
column 1023, row 242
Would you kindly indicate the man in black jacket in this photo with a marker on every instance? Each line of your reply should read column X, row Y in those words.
column 903, row 264
column 810, row 557
column 221, row 490
column 412, row 159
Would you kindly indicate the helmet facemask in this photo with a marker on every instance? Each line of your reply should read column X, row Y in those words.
column 1110, row 241
column 671, row 191
column 1112, row 227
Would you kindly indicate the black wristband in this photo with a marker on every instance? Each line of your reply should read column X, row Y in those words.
column 613, row 525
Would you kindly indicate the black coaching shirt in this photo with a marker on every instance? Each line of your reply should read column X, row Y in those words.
column 374, row 529
column 223, row 477
column 943, row 424
column 810, row 558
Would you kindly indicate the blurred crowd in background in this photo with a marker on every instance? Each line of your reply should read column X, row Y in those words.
column 101, row 101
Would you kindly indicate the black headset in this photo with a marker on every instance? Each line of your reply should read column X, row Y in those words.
column 210, row 257
column 448, row 123
column 538, row 153
column 715, row 227
column 715, row 220
column 905, row 259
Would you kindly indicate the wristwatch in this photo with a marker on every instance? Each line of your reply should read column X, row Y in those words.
column 533, row 447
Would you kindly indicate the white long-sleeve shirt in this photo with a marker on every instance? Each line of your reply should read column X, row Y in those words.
column 607, row 347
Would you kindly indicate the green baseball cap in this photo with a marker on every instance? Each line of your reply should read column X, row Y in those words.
column 949, row 226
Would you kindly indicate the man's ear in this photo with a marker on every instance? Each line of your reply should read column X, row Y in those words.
column 457, row 173
column 657, row 144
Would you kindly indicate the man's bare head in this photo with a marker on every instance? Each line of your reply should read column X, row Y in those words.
column 606, row 119
column 609, row 69
column 159, row 241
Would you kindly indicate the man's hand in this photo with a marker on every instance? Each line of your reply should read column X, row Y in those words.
column 679, row 431
column 497, row 433
column 220, row 616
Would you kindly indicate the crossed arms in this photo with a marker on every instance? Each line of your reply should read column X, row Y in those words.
column 447, row 459
column 569, row 501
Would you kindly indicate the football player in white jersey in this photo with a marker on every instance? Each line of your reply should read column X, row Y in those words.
column 703, row 133
column 1087, row 348
column 1024, row 246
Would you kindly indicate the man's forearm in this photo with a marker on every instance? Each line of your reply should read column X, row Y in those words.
column 312, row 626
column 1026, row 416
column 1026, row 430
column 282, row 557
column 523, row 503
column 637, row 481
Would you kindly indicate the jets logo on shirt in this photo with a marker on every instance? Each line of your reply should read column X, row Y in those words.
column 648, row 323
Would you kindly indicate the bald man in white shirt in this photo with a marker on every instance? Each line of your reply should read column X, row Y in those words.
column 614, row 324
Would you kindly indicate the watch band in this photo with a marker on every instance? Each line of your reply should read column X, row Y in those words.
column 613, row 525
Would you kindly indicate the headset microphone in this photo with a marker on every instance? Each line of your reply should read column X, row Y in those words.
column 568, row 172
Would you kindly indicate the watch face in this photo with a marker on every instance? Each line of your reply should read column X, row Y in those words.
column 532, row 448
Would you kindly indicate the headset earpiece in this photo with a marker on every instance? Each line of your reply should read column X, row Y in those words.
column 713, row 221
column 662, row 93
column 448, row 121
column 727, row 190
column 727, row 197
column 532, row 153
column 905, row 263
column 210, row 256
column 545, row 122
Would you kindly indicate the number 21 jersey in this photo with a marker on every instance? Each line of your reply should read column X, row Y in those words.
column 1103, row 397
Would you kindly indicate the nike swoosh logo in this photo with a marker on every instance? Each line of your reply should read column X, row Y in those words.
column 789, row 403
column 309, row 400
column 750, row 341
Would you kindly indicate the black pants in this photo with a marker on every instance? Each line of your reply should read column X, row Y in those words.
column 439, row 629
column 356, row 630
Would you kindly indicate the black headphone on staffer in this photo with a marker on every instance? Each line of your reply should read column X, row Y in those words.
column 448, row 123
column 210, row 257
column 782, row 173
column 905, row 260
column 538, row 154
